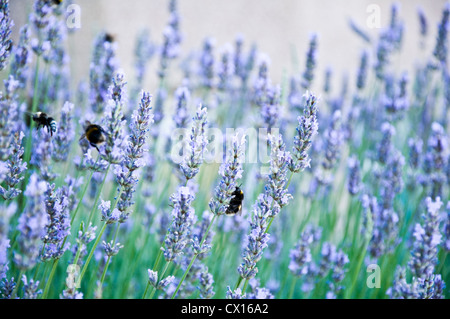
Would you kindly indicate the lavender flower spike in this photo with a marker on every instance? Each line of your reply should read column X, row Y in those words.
column 197, row 143
column 113, row 122
column 231, row 170
column 126, row 174
column 308, row 75
column 66, row 134
column 441, row 48
column 183, row 217
column 427, row 238
column 306, row 129
column 14, row 168
column 32, row 224
column 5, row 33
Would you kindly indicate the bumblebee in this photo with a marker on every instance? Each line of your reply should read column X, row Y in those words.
column 235, row 206
column 42, row 119
column 109, row 38
column 95, row 134
column 57, row 2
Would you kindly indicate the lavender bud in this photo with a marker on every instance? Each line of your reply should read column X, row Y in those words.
column 354, row 179
column 308, row 75
column 307, row 128
column 14, row 168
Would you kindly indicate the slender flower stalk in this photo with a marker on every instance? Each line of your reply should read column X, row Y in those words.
column 308, row 74
column 14, row 167
column 5, row 33
column 31, row 226
column 197, row 144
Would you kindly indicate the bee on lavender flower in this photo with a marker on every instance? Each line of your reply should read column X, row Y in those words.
column 235, row 206
column 94, row 133
column 57, row 2
column 109, row 38
column 42, row 119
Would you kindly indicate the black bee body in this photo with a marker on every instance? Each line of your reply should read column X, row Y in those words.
column 94, row 134
column 235, row 206
column 42, row 119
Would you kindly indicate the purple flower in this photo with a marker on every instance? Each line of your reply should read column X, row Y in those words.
column 111, row 249
column 30, row 288
column 362, row 71
column 441, row 48
column 159, row 284
column 58, row 227
column 230, row 170
column 113, row 121
column 307, row 128
column 257, row 238
column 197, row 144
column 182, row 219
column 126, row 172
column 66, row 134
column 21, row 57
column 32, row 223
column 182, row 97
column 225, row 69
column 5, row 33
column 354, row 178
column 427, row 238
column 206, row 282
column 13, row 167
column 102, row 69
column 385, row 146
column 6, row 212
column 308, row 74
column 435, row 160
column 206, row 62
column 300, row 256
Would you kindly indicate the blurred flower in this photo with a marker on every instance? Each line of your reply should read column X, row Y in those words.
column 111, row 249
column 14, row 167
column 66, row 134
column 206, row 63
column 435, row 160
column 32, row 224
column 101, row 73
column 205, row 287
column 225, row 69
column 308, row 74
column 427, row 238
column 30, row 288
column 21, row 57
column 354, row 176
column 441, row 48
column 5, row 33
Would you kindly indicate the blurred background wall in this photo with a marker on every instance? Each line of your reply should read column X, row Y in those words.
column 279, row 28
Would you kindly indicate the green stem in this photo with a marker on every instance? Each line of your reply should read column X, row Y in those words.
column 291, row 291
column 19, row 280
column 109, row 257
column 193, row 258
column 50, row 279
column 91, row 253
column 94, row 207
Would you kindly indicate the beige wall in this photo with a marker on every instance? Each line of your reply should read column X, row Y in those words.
column 275, row 26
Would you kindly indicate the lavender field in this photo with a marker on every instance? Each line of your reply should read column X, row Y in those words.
column 201, row 175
